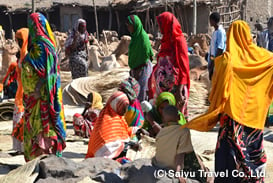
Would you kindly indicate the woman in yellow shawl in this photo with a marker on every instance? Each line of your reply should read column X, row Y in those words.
column 242, row 90
column 84, row 123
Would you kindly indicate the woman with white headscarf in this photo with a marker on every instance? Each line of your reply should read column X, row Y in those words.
column 76, row 50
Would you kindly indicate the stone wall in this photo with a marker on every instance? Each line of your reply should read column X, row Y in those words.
column 68, row 16
column 258, row 11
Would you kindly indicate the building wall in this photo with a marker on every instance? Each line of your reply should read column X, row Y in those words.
column 258, row 11
column 5, row 23
column 203, row 13
column 54, row 18
column 68, row 16
column 19, row 20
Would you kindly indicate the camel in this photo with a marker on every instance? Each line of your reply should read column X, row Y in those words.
column 101, row 63
column 10, row 48
column 203, row 41
column 115, row 59
column 198, row 50
column 122, row 47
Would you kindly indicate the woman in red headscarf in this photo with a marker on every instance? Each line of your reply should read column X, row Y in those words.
column 171, row 73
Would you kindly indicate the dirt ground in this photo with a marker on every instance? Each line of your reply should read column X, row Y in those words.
column 77, row 148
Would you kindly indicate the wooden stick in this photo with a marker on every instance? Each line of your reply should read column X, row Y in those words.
column 96, row 20
column 106, row 43
column 110, row 16
column 117, row 15
column 146, row 20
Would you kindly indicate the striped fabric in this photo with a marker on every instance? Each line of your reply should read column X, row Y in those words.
column 134, row 115
column 119, row 102
column 110, row 126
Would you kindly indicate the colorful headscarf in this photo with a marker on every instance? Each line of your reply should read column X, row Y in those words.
column 165, row 96
column 43, row 58
column 97, row 101
column 140, row 49
column 130, row 87
column 134, row 115
column 110, row 126
column 174, row 44
column 83, row 37
column 118, row 102
column 23, row 35
column 242, row 85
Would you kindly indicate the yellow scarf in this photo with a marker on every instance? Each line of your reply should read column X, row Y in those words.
column 242, row 82
column 97, row 101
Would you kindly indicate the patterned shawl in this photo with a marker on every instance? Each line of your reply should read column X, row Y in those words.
column 42, row 57
column 134, row 115
column 83, row 38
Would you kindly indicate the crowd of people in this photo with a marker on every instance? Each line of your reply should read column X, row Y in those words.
column 152, row 101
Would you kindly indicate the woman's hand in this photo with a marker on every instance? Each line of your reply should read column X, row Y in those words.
column 179, row 161
column 155, row 126
column 88, row 105
column 37, row 92
column 149, row 117
column 180, row 96
column 182, row 180
column 141, row 132
column 136, row 147
column 77, row 34
column 36, row 95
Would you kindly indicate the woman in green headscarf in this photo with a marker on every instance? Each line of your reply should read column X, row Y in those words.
column 153, row 118
column 140, row 54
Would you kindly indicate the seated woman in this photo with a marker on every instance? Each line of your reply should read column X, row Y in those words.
column 10, row 81
column 84, row 123
column 111, row 131
column 134, row 115
column 153, row 118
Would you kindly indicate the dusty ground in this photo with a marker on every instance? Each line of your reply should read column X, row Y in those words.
column 77, row 148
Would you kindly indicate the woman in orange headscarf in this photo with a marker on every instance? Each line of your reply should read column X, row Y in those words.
column 242, row 90
column 22, row 40
column 171, row 73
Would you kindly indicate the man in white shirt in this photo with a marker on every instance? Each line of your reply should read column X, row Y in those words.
column 218, row 41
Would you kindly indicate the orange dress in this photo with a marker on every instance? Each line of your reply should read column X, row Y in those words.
column 19, row 107
column 110, row 130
